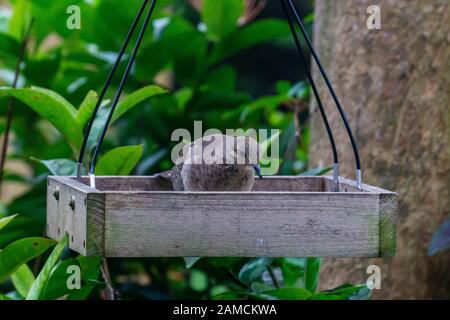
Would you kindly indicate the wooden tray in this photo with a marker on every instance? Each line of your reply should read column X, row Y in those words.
column 281, row 217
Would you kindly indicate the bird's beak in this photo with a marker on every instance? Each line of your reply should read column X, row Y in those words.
column 257, row 169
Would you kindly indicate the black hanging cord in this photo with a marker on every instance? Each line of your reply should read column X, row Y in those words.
column 120, row 89
column 133, row 57
column 333, row 93
column 315, row 91
column 106, row 86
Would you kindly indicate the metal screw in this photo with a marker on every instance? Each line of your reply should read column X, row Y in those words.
column 72, row 202
column 56, row 193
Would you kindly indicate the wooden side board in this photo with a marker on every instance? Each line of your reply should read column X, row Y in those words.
column 78, row 210
column 387, row 212
column 259, row 224
column 275, row 219
column 154, row 183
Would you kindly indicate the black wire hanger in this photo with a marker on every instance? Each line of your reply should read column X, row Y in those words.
column 330, row 88
column 287, row 4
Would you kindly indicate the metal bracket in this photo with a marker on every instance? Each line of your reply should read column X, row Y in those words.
column 92, row 180
column 336, row 176
column 359, row 179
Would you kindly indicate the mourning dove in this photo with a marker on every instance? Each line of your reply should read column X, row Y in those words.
column 216, row 163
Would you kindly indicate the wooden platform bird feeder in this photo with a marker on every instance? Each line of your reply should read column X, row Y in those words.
column 280, row 217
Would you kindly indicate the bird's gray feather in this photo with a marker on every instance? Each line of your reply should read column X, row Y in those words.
column 188, row 176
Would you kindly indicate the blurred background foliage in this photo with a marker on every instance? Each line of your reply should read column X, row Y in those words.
column 229, row 63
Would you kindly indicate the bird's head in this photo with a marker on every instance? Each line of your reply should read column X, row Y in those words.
column 243, row 151
column 248, row 150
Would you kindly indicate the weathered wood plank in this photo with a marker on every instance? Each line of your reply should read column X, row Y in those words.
column 79, row 211
column 131, row 183
column 388, row 224
column 388, row 212
column 289, row 184
column 153, row 183
column 347, row 185
column 241, row 224
column 281, row 216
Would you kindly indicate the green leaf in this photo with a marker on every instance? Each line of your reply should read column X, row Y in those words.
column 151, row 161
column 120, row 161
column 20, row 252
column 259, row 287
column 84, row 113
column 4, row 297
column 183, row 96
column 90, row 271
column 59, row 167
column 97, row 127
column 39, row 284
column 363, row 293
column 230, row 295
column 222, row 262
column 57, row 284
column 293, row 270
column 135, row 98
column 224, row 78
column 190, row 261
column 289, row 293
column 312, row 273
column 23, row 279
column 221, row 17
column 179, row 33
column 36, row 67
column 198, row 280
column 9, row 47
column 258, row 32
column 268, row 104
column 299, row 91
column 20, row 19
column 6, row 220
column 51, row 106
column 344, row 292
column 283, row 87
column 252, row 270
column 301, row 272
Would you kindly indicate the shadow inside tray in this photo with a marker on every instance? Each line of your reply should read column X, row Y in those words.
column 267, row 184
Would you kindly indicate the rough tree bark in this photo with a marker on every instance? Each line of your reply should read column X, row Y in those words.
column 394, row 84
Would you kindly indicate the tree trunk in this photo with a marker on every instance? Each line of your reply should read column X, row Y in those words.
column 394, row 84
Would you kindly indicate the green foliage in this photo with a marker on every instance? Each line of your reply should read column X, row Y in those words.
column 259, row 32
column 288, row 293
column 86, row 109
column 120, row 161
column 59, row 167
column 9, row 47
column 312, row 273
column 23, row 279
column 4, row 221
column 190, row 261
column 344, row 292
column 20, row 252
column 53, row 107
column 221, row 17
column 39, row 284
column 136, row 98
column 252, row 270
column 57, row 283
